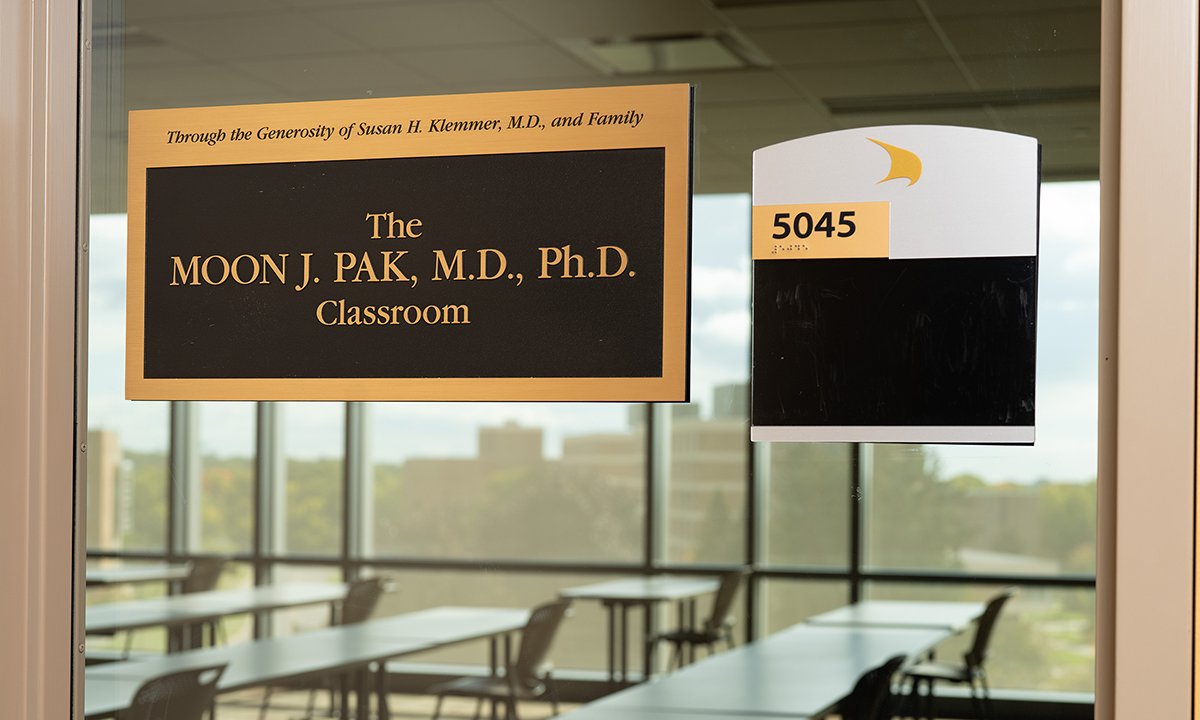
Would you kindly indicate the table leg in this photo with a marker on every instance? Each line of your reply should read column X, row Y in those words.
column 649, row 645
column 343, row 709
column 494, row 667
column 363, row 694
column 612, row 641
column 381, row 690
column 691, row 623
column 624, row 642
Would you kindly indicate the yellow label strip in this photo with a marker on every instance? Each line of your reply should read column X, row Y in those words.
column 828, row 230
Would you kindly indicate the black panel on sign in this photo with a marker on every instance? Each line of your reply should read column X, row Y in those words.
column 878, row 342
column 514, row 204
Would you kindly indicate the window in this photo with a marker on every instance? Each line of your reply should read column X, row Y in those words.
column 508, row 503
column 540, row 482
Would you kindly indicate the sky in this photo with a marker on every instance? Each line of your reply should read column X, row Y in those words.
column 1068, row 306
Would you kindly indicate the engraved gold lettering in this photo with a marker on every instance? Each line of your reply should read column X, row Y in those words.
column 448, row 271
column 180, row 274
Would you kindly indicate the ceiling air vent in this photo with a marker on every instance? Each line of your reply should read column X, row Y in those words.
column 692, row 52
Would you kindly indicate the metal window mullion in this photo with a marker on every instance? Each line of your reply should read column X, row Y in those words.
column 269, row 503
column 658, row 459
column 758, row 488
column 183, row 482
column 357, row 516
column 858, row 469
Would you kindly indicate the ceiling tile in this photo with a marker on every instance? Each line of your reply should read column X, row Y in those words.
column 741, row 86
column 841, row 44
column 173, row 85
column 748, row 117
column 157, row 53
column 556, row 19
column 483, row 65
column 1033, row 34
column 880, row 79
column 257, row 36
column 958, row 8
column 359, row 75
column 444, row 24
column 137, row 11
column 807, row 13
column 1067, row 159
column 1075, row 69
column 964, row 117
column 1076, row 121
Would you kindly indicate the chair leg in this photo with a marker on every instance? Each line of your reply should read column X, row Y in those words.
column 987, row 695
column 930, row 712
column 437, row 708
column 676, row 655
column 552, row 691
column 976, row 703
column 511, row 712
column 310, row 710
column 266, row 702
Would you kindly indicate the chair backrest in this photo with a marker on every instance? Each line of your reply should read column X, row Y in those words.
column 983, row 630
column 361, row 599
column 536, row 638
column 722, row 608
column 203, row 575
column 872, row 693
column 183, row 695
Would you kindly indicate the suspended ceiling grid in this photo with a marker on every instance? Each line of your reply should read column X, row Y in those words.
column 1025, row 66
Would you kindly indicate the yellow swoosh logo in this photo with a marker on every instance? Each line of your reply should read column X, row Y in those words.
column 905, row 163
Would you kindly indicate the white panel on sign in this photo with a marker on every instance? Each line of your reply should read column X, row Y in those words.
column 895, row 287
column 972, row 194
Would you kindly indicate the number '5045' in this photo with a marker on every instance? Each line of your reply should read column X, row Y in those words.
column 803, row 225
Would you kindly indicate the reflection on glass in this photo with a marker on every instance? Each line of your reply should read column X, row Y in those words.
column 706, row 477
column 787, row 602
column 127, row 441
column 545, row 482
column 1044, row 640
column 226, row 495
column 1013, row 510
column 295, row 620
column 808, row 504
column 314, row 445
column 581, row 642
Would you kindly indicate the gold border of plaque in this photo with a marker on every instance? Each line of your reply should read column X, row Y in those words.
column 666, row 123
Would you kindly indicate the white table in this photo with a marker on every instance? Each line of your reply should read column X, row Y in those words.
column 177, row 610
column 953, row 616
column 801, row 672
column 343, row 649
column 617, row 596
column 130, row 574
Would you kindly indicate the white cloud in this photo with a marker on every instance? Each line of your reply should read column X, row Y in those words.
column 731, row 327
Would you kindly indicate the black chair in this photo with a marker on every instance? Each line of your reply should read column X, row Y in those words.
column 529, row 677
column 203, row 574
column 183, row 695
column 717, row 627
column 969, row 672
column 871, row 698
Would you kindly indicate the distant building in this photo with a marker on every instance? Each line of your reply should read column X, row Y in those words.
column 509, row 446
column 106, row 510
